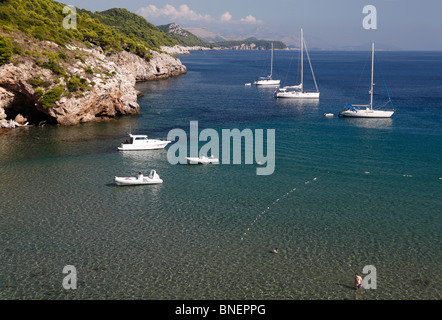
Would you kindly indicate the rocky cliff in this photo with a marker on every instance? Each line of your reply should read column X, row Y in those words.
column 183, row 50
column 96, row 86
column 160, row 66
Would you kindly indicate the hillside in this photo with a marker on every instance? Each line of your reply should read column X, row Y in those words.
column 184, row 37
column 43, row 20
column 251, row 44
column 188, row 39
column 68, row 76
column 133, row 25
column 206, row 35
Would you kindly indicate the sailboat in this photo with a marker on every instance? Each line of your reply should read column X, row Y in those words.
column 297, row 91
column 367, row 111
column 268, row 80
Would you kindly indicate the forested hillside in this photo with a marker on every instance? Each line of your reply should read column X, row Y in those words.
column 184, row 37
column 134, row 26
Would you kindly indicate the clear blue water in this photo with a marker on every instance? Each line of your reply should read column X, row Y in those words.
column 345, row 193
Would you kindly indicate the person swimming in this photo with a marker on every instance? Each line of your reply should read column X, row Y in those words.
column 275, row 251
column 358, row 281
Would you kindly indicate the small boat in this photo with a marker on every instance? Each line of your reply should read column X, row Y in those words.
column 153, row 178
column 367, row 111
column 202, row 160
column 141, row 142
column 328, row 115
column 268, row 80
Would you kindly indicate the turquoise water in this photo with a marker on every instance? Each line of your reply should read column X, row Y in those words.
column 345, row 193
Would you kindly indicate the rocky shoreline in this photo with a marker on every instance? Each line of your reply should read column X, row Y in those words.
column 110, row 80
column 182, row 50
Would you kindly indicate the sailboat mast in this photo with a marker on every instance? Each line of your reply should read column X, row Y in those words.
column 271, row 63
column 372, row 70
column 302, row 61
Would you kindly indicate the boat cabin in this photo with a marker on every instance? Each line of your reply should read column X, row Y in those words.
column 136, row 139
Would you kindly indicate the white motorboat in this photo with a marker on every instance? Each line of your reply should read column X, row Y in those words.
column 329, row 115
column 297, row 91
column 153, row 178
column 142, row 142
column 367, row 111
column 202, row 160
column 268, row 80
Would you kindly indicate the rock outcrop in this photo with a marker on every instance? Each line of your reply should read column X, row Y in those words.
column 109, row 81
column 175, row 50
column 160, row 66
column 111, row 92
column 183, row 50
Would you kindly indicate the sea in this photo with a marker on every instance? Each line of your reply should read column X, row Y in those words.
column 346, row 195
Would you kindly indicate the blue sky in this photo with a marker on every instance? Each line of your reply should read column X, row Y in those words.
column 402, row 24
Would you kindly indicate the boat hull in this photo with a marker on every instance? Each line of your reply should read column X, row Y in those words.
column 132, row 181
column 194, row 160
column 150, row 145
column 297, row 95
column 267, row 82
column 367, row 113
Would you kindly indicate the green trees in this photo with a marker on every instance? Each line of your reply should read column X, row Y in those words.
column 112, row 30
column 183, row 36
column 51, row 96
column 5, row 50
column 76, row 83
column 135, row 27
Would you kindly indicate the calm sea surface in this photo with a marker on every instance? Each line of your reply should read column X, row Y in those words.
column 345, row 193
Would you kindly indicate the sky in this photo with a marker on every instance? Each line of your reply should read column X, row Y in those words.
column 329, row 24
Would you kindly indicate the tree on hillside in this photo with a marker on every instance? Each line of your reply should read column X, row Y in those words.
column 5, row 50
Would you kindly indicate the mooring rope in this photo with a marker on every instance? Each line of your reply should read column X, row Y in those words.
column 265, row 211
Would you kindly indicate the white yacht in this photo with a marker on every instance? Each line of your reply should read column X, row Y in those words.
column 142, row 142
column 367, row 111
column 297, row 91
column 268, row 80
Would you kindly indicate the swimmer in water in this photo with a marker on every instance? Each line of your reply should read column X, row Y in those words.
column 276, row 250
column 358, row 281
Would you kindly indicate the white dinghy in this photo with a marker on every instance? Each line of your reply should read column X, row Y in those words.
column 153, row 178
column 202, row 160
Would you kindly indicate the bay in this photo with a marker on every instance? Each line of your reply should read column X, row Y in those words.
column 345, row 193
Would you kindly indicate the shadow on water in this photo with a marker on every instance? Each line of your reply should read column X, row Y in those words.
column 346, row 286
column 111, row 185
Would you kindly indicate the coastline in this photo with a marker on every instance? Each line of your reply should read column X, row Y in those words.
column 107, row 85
